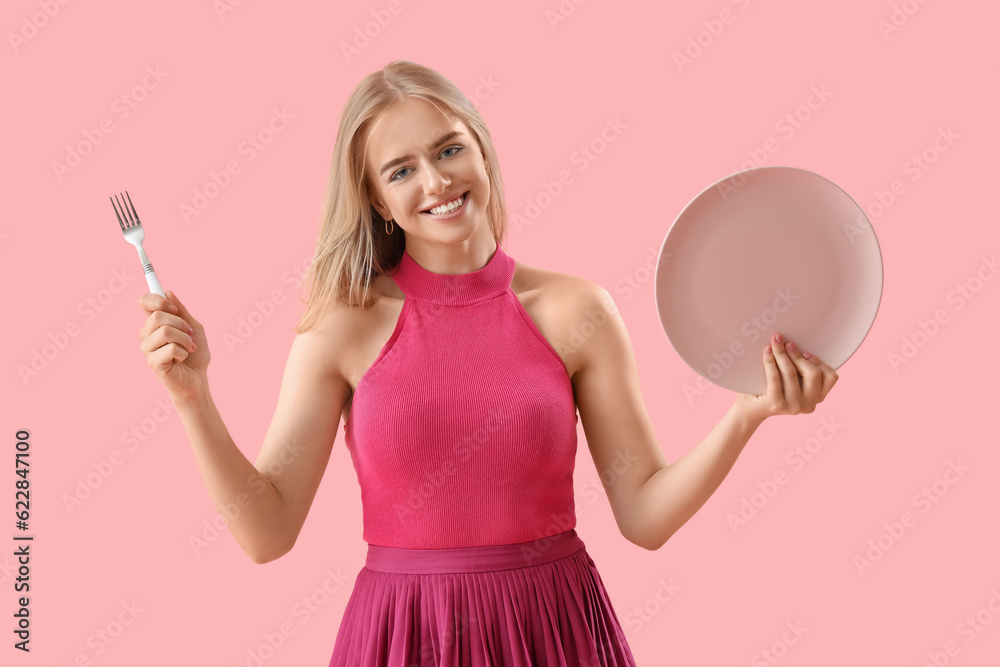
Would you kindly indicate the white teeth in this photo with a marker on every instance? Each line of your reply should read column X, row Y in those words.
column 448, row 208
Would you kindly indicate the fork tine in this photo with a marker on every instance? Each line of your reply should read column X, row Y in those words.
column 121, row 204
column 120, row 221
column 120, row 200
column 133, row 209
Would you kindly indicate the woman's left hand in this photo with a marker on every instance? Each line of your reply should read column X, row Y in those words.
column 795, row 383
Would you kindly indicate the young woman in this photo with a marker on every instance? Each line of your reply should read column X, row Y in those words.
column 453, row 367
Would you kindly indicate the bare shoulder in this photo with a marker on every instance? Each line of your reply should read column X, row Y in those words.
column 566, row 308
column 325, row 346
column 561, row 289
column 362, row 332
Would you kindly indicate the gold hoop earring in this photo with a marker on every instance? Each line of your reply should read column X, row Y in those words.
column 389, row 226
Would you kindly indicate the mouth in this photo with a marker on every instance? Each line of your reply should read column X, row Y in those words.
column 449, row 208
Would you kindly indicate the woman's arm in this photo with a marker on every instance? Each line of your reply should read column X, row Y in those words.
column 266, row 503
column 650, row 498
column 250, row 504
column 675, row 492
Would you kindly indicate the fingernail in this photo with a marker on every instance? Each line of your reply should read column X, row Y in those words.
column 790, row 347
column 190, row 331
column 807, row 355
column 173, row 308
column 778, row 339
column 767, row 350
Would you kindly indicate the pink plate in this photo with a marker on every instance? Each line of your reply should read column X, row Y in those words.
column 774, row 249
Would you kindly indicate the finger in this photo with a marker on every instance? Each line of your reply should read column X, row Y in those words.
column 197, row 329
column 830, row 378
column 773, row 375
column 830, row 375
column 812, row 377
column 162, row 359
column 153, row 302
column 819, row 363
column 181, row 309
column 160, row 319
column 167, row 335
column 792, row 390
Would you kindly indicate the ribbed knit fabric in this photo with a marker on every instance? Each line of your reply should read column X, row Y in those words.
column 463, row 431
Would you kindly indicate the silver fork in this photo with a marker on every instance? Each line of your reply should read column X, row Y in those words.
column 132, row 229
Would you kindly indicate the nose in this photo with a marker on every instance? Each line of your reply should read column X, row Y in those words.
column 435, row 181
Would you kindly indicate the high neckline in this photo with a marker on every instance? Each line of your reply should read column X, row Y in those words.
column 459, row 289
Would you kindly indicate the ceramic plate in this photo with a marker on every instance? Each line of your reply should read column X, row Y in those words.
column 761, row 251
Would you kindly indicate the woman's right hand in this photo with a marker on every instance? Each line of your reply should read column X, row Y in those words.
column 179, row 358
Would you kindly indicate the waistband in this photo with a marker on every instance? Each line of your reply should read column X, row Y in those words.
column 473, row 559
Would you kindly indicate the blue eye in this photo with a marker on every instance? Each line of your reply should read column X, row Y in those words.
column 458, row 148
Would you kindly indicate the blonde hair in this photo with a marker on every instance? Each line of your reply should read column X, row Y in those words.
column 353, row 248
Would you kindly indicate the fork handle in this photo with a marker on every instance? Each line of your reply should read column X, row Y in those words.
column 152, row 280
column 147, row 266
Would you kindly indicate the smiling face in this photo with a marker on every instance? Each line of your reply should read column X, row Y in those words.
column 417, row 159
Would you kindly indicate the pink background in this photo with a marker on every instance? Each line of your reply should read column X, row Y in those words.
column 552, row 87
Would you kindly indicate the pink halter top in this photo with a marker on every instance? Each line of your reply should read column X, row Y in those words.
column 463, row 431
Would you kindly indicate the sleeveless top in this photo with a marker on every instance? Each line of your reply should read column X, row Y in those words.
column 463, row 431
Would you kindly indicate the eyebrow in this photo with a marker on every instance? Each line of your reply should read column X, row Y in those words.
column 440, row 140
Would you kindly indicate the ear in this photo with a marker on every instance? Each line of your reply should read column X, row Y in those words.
column 382, row 210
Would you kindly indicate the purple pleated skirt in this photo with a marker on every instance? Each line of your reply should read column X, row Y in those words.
column 533, row 603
